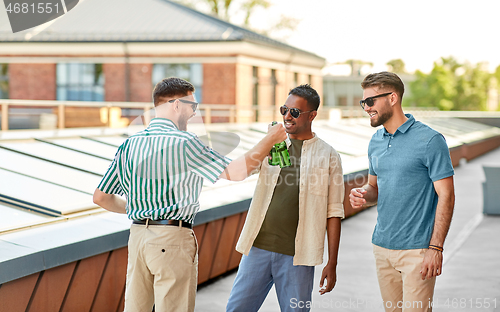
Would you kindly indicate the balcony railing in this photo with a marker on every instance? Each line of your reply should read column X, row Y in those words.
column 120, row 114
column 113, row 114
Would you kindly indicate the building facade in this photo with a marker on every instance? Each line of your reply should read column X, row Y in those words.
column 121, row 51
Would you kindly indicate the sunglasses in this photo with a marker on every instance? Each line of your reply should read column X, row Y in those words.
column 295, row 112
column 194, row 105
column 370, row 100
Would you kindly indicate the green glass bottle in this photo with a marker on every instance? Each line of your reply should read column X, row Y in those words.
column 279, row 154
column 284, row 155
column 275, row 157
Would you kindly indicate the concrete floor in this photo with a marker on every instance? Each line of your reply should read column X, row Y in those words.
column 471, row 273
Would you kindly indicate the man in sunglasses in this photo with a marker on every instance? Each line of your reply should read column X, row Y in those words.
column 411, row 181
column 293, row 207
column 160, row 171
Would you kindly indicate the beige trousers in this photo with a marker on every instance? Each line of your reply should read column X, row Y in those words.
column 400, row 281
column 162, row 269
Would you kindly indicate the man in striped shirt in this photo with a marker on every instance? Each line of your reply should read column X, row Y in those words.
column 160, row 171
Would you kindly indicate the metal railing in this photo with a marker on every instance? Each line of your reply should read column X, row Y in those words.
column 209, row 112
column 61, row 107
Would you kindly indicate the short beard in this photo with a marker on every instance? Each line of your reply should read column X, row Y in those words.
column 381, row 119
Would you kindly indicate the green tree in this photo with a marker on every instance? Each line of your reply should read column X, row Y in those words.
column 4, row 81
column 451, row 86
column 472, row 87
column 397, row 66
column 228, row 9
column 282, row 29
column 249, row 7
column 497, row 74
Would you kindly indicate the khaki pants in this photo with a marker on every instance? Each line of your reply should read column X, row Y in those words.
column 400, row 280
column 162, row 269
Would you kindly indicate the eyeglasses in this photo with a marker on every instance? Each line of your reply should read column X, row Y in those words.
column 295, row 112
column 194, row 105
column 370, row 100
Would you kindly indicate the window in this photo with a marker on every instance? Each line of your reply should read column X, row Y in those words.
column 309, row 79
column 295, row 79
column 4, row 81
column 255, row 85
column 190, row 72
column 80, row 82
column 255, row 90
column 274, row 83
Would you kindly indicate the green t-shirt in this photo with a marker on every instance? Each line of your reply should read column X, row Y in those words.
column 278, row 230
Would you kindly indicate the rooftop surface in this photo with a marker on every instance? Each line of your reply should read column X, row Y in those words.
column 62, row 168
column 471, row 273
column 55, row 222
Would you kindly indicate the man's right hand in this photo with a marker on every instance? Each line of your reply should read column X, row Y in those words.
column 276, row 133
column 357, row 197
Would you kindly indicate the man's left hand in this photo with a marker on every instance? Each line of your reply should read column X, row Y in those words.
column 432, row 265
column 330, row 274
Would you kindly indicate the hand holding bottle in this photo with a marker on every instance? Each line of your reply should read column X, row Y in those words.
column 276, row 132
column 279, row 153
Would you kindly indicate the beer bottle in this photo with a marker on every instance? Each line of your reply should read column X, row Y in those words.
column 279, row 154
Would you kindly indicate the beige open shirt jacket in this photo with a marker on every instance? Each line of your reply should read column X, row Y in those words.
column 321, row 196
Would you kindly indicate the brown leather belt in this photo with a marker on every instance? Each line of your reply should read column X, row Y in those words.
column 164, row 222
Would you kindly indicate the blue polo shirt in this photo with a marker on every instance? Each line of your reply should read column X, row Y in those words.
column 406, row 164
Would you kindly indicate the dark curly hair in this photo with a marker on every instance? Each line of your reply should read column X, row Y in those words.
column 307, row 92
column 169, row 88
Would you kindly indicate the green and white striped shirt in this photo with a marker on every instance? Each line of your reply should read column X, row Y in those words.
column 160, row 171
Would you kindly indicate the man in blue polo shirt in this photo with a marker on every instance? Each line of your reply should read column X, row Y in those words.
column 411, row 181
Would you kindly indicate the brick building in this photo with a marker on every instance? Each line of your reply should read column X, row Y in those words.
column 116, row 50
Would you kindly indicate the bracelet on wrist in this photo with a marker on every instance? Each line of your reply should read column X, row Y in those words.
column 438, row 248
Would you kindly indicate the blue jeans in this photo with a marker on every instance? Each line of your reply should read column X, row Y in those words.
column 259, row 271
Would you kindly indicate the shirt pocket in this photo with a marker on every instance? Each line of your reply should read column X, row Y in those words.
column 317, row 182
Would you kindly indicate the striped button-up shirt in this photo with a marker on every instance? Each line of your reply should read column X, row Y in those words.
column 160, row 171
